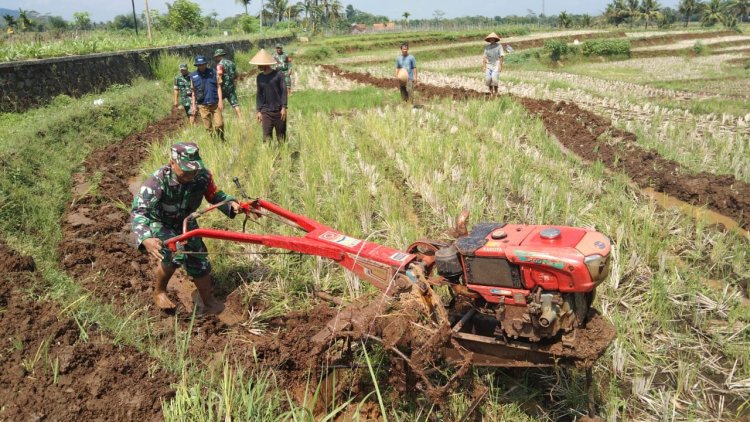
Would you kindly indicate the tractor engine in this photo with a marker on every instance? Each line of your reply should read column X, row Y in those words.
column 535, row 281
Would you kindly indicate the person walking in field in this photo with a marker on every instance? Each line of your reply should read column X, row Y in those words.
column 492, row 62
column 207, row 97
column 226, row 71
column 172, row 193
column 183, row 94
column 284, row 65
column 408, row 63
column 271, row 97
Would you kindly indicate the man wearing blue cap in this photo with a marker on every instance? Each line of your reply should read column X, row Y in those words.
column 208, row 98
column 172, row 193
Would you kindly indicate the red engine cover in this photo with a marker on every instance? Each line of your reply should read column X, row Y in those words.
column 551, row 257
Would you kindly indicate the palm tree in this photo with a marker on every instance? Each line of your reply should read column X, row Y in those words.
column 564, row 20
column 616, row 12
column 10, row 21
column 244, row 3
column 276, row 9
column 650, row 9
column 336, row 9
column 586, row 20
column 689, row 8
column 741, row 8
column 631, row 9
column 23, row 21
column 714, row 13
column 292, row 11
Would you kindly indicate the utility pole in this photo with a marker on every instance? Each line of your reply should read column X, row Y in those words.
column 135, row 19
column 148, row 23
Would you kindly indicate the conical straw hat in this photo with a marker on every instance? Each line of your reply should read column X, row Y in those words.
column 403, row 76
column 493, row 35
column 262, row 58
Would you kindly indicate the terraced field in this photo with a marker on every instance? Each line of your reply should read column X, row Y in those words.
column 653, row 152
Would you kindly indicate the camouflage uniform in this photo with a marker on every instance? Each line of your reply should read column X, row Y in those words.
column 227, row 70
column 285, row 67
column 163, row 203
column 182, row 85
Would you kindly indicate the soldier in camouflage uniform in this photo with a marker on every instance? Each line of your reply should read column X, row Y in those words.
column 284, row 66
column 183, row 93
column 226, row 71
column 172, row 193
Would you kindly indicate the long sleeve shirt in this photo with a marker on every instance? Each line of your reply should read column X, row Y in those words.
column 162, row 201
column 271, row 95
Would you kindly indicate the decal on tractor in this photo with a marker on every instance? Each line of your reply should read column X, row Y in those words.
column 539, row 258
column 340, row 239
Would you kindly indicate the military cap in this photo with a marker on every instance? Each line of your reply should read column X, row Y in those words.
column 200, row 60
column 187, row 156
column 183, row 66
column 219, row 52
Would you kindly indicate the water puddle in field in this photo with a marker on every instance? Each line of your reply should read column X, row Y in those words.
column 698, row 213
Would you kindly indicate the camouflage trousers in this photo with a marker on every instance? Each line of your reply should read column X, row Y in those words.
column 196, row 265
column 230, row 93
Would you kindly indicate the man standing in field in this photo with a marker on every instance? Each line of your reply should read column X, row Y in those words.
column 226, row 71
column 183, row 95
column 284, row 65
column 207, row 97
column 407, row 62
column 492, row 62
column 172, row 193
column 271, row 97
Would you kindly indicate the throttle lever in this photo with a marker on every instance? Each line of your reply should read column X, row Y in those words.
column 236, row 181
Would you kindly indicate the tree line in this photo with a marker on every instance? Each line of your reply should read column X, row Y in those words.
column 186, row 16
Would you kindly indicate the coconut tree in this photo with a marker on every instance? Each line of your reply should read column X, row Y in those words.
column 714, row 13
column 276, row 9
column 741, row 8
column 616, row 12
column 649, row 10
column 690, row 7
column 10, row 21
column 564, row 20
column 632, row 11
column 245, row 3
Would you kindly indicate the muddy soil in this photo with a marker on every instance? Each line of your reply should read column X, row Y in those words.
column 593, row 138
column 96, row 247
column 95, row 381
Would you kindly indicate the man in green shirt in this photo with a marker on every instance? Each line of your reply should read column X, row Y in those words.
column 284, row 65
column 172, row 193
column 183, row 93
column 226, row 72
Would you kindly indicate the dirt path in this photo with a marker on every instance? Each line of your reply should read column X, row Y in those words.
column 49, row 372
column 595, row 138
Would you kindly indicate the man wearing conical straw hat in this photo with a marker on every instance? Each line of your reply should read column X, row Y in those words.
column 492, row 61
column 271, row 97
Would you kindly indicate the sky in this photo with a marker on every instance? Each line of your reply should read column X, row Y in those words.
column 104, row 10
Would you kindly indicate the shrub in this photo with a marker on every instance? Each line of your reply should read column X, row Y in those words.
column 556, row 49
column 699, row 48
column 249, row 24
column 606, row 48
column 320, row 53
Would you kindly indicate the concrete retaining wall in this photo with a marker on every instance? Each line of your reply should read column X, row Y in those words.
column 30, row 83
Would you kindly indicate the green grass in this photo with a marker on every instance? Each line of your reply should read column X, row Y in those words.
column 30, row 46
